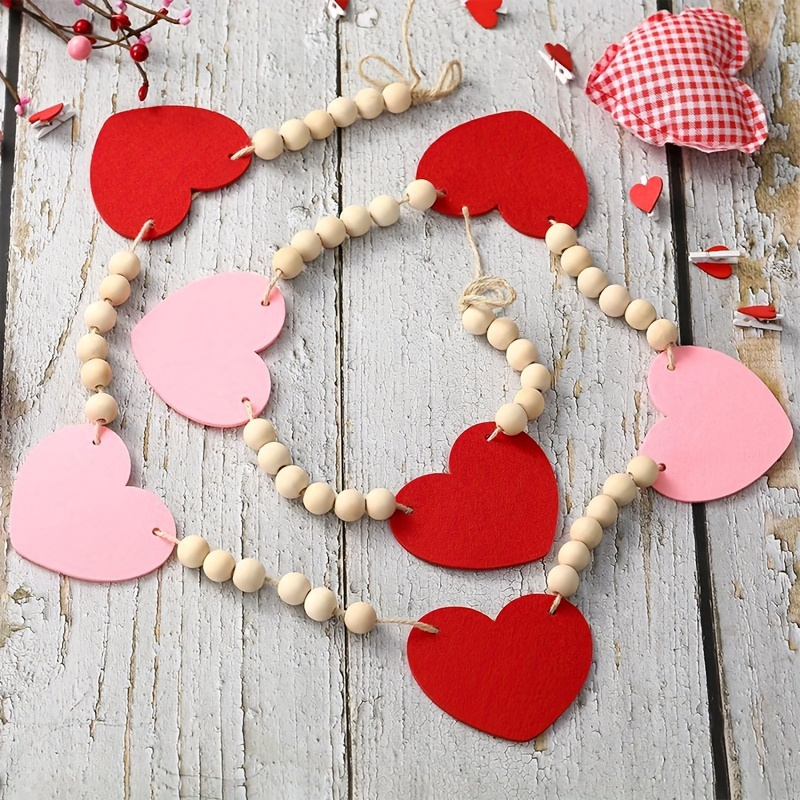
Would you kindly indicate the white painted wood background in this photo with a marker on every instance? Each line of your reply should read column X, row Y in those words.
column 170, row 686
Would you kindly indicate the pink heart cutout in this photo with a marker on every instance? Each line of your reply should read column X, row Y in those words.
column 723, row 428
column 199, row 348
column 72, row 511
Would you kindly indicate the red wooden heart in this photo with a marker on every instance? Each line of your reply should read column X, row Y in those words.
column 645, row 195
column 714, row 268
column 47, row 114
column 512, row 162
column 511, row 677
column 147, row 163
column 759, row 312
column 560, row 54
column 496, row 508
column 484, row 11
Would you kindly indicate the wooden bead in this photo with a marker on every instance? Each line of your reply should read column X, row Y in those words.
column 397, row 97
column 273, row 456
column 114, row 288
column 344, row 111
column 268, row 144
column 421, row 194
column 563, row 580
column 614, row 299
column 218, row 566
column 511, row 418
column 100, row 315
column 259, row 432
column 320, row 124
column 384, row 210
column 661, row 334
column 574, row 554
column 531, row 400
column 592, row 281
column 356, row 220
column 101, row 408
column 575, row 260
column 331, row 231
column 320, row 604
column 381, row 504
column 477, row 319
column 96, row 374
column 295, row 134
column 640, row 314
column 125, row 263
column 350, row 505
column 249, row 575
column 319, row 498
column 603, row 509
column 621, row 488
column 502, row 332
column 587, row 530
column 291, row 481
column 360, row 618
column 92, row 345
column 289, row 261
column 369, row 102
column 293, row 588
column 559, row 237
column 308, row 244
column 643, row 470
column 192, row 551
column 536, row 376
column 521, row 353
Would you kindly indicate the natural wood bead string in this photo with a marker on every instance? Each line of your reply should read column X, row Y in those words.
column 614, row 300
column 295, row 589
column 586, row 532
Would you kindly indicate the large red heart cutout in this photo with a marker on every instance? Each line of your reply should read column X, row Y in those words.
column 511, row 677
column 148, row 162
column 512, row 162
column 497, row 507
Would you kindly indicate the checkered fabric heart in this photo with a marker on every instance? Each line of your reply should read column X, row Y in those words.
column 671, row 80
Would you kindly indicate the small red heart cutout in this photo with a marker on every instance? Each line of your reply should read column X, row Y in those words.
column 759, row 312
column 714, row 268
column 46, row 114
column 497, row 507
column 645, row 195
column 560, row 54
column 511, row 677
column 147, row 163
column 484, row 11
column 512, row 162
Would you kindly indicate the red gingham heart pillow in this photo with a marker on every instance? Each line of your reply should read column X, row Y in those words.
column 671, row 80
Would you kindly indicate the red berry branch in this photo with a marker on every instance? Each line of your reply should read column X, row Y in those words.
column 83, row 36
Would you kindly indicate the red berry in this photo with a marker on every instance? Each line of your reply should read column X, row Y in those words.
column 143, row 92
column 82, row 26
column 139, row 52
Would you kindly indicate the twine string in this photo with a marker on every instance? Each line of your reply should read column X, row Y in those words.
column 412, row 623
column 142, row 233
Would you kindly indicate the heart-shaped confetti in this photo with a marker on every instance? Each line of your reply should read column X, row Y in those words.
column 512, row 162
column 511, row 677
column 199, row 348
column 645, row 195
column 73, row 512
column 148, row 162
column 497, row 507
column 722, row 427
column 559, row 54
column 484, row 12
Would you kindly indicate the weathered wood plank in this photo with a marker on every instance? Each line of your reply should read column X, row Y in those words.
column 414, row 380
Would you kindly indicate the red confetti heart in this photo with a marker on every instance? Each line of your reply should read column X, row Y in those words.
column 511, row 677
column 560, row 54
column 147, row 163
column 484, row 12
column 512, row 162
column 496, row 508
column 759, row 312
column 645, row 195
column 714, row 268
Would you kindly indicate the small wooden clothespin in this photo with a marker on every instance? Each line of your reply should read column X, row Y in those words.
column 48, row 119
column 336, row 8
column 766, row 318
column 558, row 58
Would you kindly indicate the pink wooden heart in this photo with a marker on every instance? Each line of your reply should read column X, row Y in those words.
column 199, row 348
column 72, row 511
column 723, row 428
